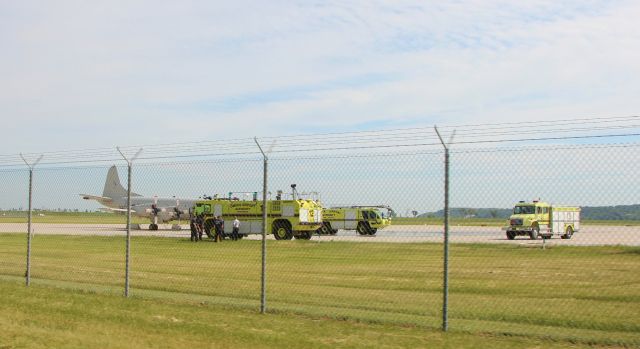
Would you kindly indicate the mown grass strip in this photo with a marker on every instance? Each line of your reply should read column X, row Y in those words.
column 588, row 293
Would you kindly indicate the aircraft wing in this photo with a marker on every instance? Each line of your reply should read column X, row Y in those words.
column 112, row 210
column 101, row 199
column 93, row 197
column 109, row 209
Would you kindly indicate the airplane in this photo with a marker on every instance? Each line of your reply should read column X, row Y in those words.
column 158, row 210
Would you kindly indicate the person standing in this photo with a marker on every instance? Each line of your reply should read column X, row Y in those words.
column 218, row 224
column 236, row 229
column 194, row 229
column 200, row 225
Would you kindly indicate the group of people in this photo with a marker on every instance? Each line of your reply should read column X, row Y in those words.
column 197, row 228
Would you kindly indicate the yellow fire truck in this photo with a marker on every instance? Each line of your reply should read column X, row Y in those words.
column 286, row 219
column 366, row 220
column 538, row 218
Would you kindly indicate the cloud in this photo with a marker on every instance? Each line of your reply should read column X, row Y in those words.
column 79, row 74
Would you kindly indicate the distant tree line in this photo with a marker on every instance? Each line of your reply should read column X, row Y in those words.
column 620, row 212
column 63, row 210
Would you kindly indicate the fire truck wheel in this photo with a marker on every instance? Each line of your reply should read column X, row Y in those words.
column 373, row 231
column 304, row 236
column 568, row 233
column 511, row 235
column 325, row 229
column 533, row 235
column 282, row 231
column 334, row 231
column 362, row 228
column 209, row 229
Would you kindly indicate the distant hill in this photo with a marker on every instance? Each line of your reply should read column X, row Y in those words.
column 620, row 212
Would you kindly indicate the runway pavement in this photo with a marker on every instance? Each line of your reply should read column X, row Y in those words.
column 594, row 235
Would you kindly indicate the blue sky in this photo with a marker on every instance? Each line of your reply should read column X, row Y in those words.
column 594, row 175
column 78, row 74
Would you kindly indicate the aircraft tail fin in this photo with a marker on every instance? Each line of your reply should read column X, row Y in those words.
column 112, row 187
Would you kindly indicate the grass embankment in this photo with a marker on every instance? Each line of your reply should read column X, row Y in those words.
column 583, row 295
column 42, row 317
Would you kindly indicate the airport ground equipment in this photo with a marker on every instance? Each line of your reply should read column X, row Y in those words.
column 366, row 220
column 286, row 219
column 542, row 219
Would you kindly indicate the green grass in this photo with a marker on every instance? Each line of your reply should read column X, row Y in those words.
column 69, row 217
column 580, row 295
column 46, row 317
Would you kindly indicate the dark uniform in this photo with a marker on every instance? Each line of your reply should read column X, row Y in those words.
column 218, row 223
column 200, row 226
column 194, row 228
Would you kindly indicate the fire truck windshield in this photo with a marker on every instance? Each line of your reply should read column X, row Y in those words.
column 524, row 209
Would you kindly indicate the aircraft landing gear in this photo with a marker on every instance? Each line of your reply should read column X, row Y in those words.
column 153, row 226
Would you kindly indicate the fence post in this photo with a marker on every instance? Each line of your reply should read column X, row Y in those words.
column 27, row 274
column 445, row 293
column 128, row 250
column 263, row 280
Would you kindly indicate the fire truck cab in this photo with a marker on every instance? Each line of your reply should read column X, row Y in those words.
column 538, row 218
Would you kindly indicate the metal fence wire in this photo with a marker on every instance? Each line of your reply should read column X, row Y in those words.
column 347, row 261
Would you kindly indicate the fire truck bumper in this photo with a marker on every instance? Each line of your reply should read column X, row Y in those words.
column 519, row 230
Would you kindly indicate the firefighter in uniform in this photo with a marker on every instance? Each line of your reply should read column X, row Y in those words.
column 218, row 223
column 200, row 226
column 194, row 229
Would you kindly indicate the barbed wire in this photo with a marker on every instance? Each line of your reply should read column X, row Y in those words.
column 284, row 158
column 92, row 159
column 469, row 134
column 480, row 129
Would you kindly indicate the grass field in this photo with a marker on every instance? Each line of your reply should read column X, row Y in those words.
column 45, row 317
column 113, row 218
column 69, row 217
column 564, row 296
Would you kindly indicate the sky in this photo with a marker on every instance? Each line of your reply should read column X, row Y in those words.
column 77, row 74
column 581, row 175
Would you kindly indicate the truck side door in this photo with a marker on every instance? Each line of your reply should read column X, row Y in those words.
column 350, row 219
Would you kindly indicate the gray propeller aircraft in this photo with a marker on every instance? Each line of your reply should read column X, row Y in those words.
column 158, row 210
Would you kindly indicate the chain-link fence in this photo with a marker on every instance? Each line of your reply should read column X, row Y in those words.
column 355, row 265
